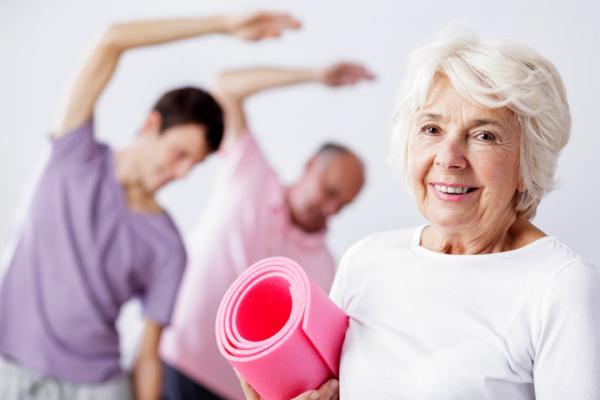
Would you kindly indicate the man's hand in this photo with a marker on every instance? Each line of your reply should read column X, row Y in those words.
column 260, row 25
column 344, row 73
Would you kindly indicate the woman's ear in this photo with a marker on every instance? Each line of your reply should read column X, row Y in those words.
column 152, row 123
column 520, row 186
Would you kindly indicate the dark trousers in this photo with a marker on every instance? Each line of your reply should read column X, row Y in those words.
column 177, row 386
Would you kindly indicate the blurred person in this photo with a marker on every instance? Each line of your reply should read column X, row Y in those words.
column 95, row 235
column 253, row 215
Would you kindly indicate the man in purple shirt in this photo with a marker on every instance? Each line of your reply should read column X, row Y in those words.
column 95, row 236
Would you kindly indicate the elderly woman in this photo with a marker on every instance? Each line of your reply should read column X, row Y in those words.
column 479, row 303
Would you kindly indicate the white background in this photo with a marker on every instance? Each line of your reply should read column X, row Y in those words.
column 40, row 42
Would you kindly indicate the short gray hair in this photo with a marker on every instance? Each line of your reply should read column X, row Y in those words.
column 492, row 74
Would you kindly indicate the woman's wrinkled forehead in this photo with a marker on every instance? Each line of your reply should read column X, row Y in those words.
column 444, row 102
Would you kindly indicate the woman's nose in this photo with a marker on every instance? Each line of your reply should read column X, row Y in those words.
column 451, row 154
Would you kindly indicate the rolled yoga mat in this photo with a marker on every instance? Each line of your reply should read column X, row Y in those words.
column 279, row 330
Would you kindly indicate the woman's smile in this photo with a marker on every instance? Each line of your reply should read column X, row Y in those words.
column 453, row 191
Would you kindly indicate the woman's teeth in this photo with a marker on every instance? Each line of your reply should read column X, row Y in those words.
column 452, row 189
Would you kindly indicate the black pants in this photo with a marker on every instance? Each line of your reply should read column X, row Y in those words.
column 177, row 386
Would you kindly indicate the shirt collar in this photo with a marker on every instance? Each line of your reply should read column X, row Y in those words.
column 278, row 205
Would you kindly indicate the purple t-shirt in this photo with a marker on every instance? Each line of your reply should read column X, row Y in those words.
column 79, row 256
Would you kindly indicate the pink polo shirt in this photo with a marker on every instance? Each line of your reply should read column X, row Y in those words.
column 247, row 219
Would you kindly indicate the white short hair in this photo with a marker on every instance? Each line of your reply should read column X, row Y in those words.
column 492, row 74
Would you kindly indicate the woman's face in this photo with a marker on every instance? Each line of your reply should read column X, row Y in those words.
column 463, row 161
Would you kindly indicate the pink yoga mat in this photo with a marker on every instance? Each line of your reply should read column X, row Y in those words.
column 280, row 330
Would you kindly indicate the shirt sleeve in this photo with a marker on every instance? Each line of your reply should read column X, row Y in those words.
column 343, row 287
column 244, row 163
column 158, row 297
column 77, row 147
column 567, row 354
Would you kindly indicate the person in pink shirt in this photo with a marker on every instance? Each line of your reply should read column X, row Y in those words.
column 252, row 215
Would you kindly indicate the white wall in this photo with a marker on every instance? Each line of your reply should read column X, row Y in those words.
column 40, row 41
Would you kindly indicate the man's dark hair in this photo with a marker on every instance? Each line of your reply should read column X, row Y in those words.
column 190, row 105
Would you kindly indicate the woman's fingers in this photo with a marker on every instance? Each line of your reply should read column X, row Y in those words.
column 248, row 391
column 328, row 391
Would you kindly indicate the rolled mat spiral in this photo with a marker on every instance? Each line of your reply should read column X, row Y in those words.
column 279, row 329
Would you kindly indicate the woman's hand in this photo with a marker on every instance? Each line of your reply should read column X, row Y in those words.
column 260, row 25
column 328, row 391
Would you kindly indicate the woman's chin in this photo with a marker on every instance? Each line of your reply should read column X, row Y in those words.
column 450, row 220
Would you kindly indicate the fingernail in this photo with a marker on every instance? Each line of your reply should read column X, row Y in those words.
column 314, row 396
column 334, row 384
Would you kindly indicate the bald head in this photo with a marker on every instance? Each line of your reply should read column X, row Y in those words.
column 333, row 177
column 333, row 152
column 330, row 149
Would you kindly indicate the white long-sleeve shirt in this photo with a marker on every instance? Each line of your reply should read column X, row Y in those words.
column 521, row 324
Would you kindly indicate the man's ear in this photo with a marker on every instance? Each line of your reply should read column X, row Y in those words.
column 152, row 123
column 310, row 164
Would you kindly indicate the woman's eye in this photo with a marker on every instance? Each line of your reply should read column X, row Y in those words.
column 430, row 130
column 486, row 137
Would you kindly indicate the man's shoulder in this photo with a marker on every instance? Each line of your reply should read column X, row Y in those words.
column 245, row 160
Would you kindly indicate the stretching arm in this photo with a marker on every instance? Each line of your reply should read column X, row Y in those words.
column 234, row 86
column 100, row 62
